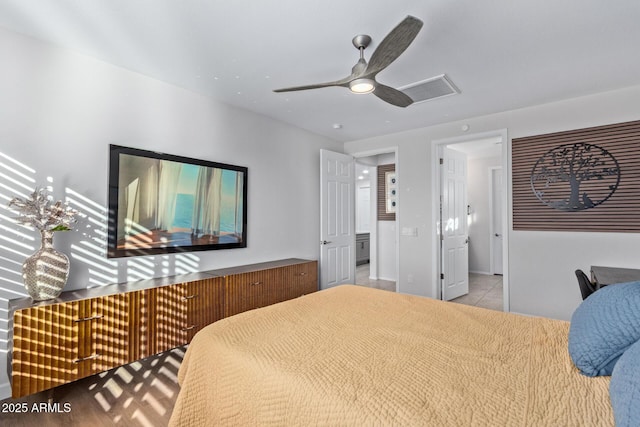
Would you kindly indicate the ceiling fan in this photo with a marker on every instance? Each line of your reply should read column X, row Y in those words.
column 363, row 74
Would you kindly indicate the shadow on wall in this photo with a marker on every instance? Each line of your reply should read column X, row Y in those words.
column 86, row 244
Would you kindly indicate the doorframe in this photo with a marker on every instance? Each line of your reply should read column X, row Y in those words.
column 436, row 188
column 325, row 156
column 373, row 235
column 492, row 245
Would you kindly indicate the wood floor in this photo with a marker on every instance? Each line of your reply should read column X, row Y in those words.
column 139, row 394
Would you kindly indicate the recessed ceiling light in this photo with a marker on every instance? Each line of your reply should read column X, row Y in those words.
column 361, row 177
column 365, row 171
column 337, row 126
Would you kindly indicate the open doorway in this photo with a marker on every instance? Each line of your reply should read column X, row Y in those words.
column 479, row 252
column 376, row 238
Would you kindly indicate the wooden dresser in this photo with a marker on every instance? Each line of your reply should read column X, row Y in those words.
column 88, row 331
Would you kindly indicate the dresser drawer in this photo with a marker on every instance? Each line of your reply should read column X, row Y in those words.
column 301, row 279
column 183, row 309
column 255, row 289
column 59, row 343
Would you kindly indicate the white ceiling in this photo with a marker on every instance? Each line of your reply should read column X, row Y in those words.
column 501, row 54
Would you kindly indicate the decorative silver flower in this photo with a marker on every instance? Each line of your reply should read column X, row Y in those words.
column 39, row 212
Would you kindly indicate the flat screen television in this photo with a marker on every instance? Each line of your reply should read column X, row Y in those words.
column 161, row 203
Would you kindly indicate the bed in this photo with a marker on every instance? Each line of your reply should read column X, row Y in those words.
column 351, row 355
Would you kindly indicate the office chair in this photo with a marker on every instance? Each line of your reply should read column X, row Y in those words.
column 586, row 287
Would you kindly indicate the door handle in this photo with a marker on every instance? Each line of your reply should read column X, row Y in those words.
column 497, row 235
column 324, row 242
column 82, row 359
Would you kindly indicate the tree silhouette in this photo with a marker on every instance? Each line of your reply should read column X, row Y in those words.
column 566, row 169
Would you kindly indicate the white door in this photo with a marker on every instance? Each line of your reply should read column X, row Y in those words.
column 497, row 199
column 337, row 219
column 455, row 239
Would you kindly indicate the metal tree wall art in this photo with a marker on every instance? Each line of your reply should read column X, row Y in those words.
column 580, row 180
column 575, row 177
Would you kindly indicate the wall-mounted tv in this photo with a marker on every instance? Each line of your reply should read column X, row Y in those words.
column 161, row 203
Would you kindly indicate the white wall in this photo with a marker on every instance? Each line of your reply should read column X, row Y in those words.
column 387, row 242
column 541, row 266
column 59, row 111
column 478, row 191
column 386, row 251
column 363, row 205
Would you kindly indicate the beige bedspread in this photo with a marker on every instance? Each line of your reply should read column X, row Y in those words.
column 357, row 356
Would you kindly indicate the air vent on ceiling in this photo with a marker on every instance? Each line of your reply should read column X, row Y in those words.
column 435, row 87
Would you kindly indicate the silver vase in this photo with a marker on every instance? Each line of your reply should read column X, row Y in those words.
column 45, row 273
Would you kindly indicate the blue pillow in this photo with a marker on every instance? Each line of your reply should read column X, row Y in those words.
column 603, row 327
column 624, row 388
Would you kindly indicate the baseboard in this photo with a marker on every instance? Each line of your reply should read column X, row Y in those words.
column 381, row 278
column 5, row 391
column 523, row 314
column 481, row 272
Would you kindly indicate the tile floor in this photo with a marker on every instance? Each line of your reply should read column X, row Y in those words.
column 362, row 279
column 484, row 290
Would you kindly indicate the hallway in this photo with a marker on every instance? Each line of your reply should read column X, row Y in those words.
column 362, row 279
column 484, row 291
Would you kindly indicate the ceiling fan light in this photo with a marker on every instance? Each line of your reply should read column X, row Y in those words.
column 362, row 86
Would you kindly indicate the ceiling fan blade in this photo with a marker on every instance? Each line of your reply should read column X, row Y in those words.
column 392, row 96
column 342, row 82
column 396, row 42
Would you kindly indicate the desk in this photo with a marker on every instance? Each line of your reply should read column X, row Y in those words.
column 603, row 276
